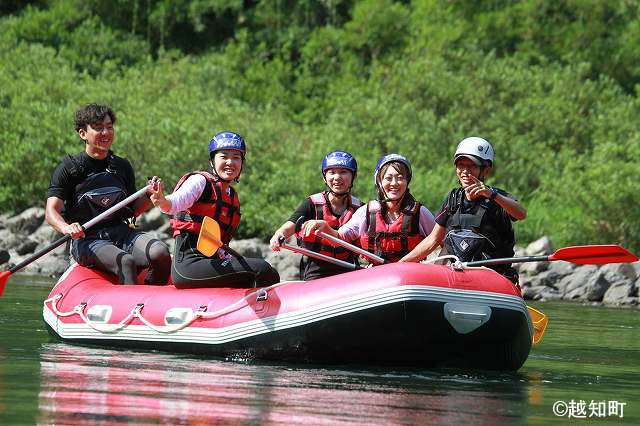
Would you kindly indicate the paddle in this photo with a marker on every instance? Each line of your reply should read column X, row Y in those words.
column 4, row 276
column 368, row 255
column 539, row 321
column 315, row 255
column 581, row 255
column 209, row 242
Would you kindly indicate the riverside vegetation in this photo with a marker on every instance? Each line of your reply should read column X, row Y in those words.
column 553, row 85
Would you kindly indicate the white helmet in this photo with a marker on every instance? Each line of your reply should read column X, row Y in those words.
column 476, row 149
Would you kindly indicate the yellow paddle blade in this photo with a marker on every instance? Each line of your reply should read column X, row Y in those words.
column 209, row 238
column 539, row 321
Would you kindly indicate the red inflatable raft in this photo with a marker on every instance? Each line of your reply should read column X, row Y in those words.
column 397, row 314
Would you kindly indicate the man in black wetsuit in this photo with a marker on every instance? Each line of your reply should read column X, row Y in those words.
column 87, row 184
column 474, row 222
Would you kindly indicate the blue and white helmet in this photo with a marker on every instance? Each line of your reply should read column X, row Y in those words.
column 339, row 159
column 227, row 140
column 476, row 149
column 390, row 158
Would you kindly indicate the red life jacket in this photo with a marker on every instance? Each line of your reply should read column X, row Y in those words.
column 392, row 241
column 223, row 206
column 323, row 212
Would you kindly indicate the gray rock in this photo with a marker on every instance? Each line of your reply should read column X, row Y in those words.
column 531, row 292
column 594, row 289
column 8, row 240
column 290, row 274
column 619, row 272
column 27, row 221
column 253, row 247
column 286, row 263
column 532, row 268
column 540, row 247
column 576, row 280
column 27, row 246
column 543, row 279
column 619, row 292
column 53, row 266
column 541, row 292
column 45, row 234
column 562, row 269
column 4, row 256
column 152, row 220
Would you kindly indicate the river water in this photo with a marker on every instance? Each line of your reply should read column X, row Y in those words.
column 585, row 371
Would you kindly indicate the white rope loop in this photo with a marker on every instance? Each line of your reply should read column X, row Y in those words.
column 137, row 313
column 54, row 302
column 109, row 328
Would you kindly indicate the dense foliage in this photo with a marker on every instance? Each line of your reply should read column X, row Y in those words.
column 554, row 86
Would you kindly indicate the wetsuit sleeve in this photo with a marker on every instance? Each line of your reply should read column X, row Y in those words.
column 306, row 209
column 129, row 177
column 61, row 185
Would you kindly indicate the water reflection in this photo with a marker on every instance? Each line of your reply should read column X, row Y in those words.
column 82, row 385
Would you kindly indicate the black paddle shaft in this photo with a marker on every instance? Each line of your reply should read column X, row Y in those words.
column 504, row 260
column 37, row 255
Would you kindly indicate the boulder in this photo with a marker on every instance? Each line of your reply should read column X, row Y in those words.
column 27, row 221
column 53, row 266
column 615, row 272
column 286, row 263
column 253, row 247
column 540, row 292
column 593, row 290
column 575, row 280
column 45, row 234
column 26, row 246
column 619, row 292
column 540, row 247
column 152, row 220
column 4, row 256
column 531, row 268
column 8, row 240
column 543, row 279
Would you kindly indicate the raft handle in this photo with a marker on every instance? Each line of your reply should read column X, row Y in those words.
column 262, row 295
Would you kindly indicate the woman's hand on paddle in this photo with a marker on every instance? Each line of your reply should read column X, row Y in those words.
column 312, row 227
column 477, row 189
column 156, row 193
column 277, row 239
column 75, row 230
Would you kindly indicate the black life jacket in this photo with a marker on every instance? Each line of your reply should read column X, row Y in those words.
column 470, row 235
column 97, row 191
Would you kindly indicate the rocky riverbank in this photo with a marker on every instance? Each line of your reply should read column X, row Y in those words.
column 612, row 285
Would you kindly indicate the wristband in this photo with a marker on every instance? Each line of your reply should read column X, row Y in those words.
column 494, row 193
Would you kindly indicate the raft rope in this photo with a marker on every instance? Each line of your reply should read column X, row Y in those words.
column 136, row 312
